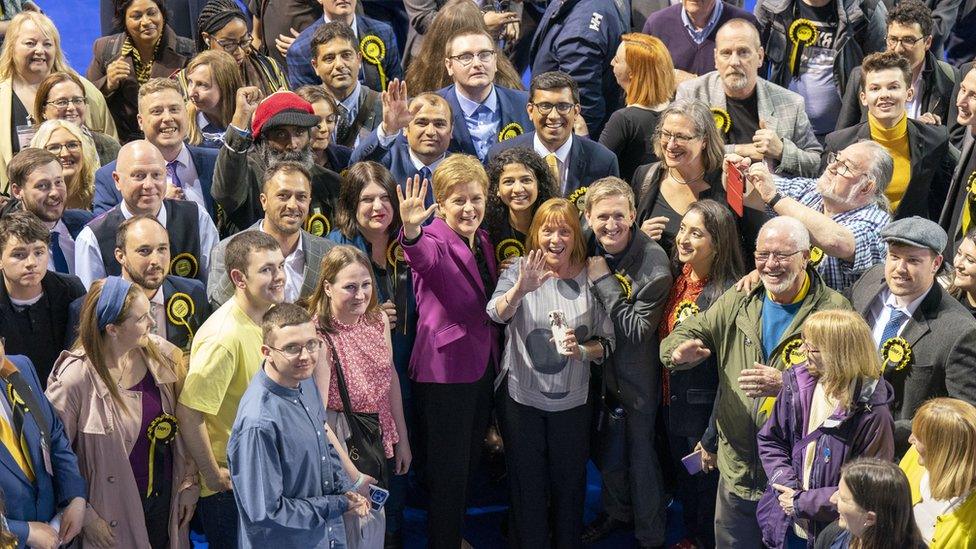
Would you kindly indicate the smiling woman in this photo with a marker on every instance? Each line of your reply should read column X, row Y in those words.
column 78, row 156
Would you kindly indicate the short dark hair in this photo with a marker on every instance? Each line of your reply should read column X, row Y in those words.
column 884, row 60
column 24, row 225
column 553, row 80
column 23, row 164
column 329, row 32
column 123, row 231
column 282, row 316
column 910, row 12
column 288, row 167
column 241, row 245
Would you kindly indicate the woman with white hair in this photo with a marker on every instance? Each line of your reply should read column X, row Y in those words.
column 78, row 157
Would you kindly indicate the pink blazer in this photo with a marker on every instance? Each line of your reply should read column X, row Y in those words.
column 456, row 340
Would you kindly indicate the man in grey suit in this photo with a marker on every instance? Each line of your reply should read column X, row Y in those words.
column 961, row 192
column 634, row 299
column 763, row 121
column 285, row 197
column 927, row 339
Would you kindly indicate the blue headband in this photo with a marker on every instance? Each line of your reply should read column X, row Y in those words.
column 111, row 300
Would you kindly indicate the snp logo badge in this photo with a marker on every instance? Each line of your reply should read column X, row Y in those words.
column 595, row 22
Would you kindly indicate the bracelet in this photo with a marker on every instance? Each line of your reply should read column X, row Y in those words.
column 776, row 198
column 359, row 482
column 582, row 351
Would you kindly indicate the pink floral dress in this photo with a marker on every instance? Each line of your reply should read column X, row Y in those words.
column 367, row 364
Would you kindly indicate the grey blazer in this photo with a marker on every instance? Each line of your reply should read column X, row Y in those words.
column 636, row 372
column 220, row 288
column 951, row 217
column 777, row 106
column 942, row 337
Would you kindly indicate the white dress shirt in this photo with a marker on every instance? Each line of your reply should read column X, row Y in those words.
column 186, row 170
column 562, row 157
column 881, row 309
column 157, row 306
column 67, row 246
column 294, row 270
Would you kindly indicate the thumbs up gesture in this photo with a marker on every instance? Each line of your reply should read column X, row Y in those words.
column 767, row 142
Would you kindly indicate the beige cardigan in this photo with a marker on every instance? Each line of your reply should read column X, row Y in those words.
column 102, row 435
column 98, row 119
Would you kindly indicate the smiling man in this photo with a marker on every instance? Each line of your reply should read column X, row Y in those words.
column 959, row 211
column 554, row 104
column 140, row 176
column 926, row 336
column 923, row 159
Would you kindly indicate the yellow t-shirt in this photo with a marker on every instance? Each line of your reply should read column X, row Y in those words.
column 225, row 355
column 896, row 141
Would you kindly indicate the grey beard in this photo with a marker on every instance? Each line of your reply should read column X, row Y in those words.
column 268, row 157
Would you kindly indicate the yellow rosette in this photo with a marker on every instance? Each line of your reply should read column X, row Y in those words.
column 686, row 309
column 722, row 120
column 816, row 256
column 802, row 33
column 895, row 352
column 625, row 286
column 510, row 247
column 179, row 309
column 318, row 224
column 394, row 253
column 14, row 398
column 509, row 131
column 578, row 197
column 184, row 265
column 162, row 430
column 793, row 352
column 971, row 186
column 373, row 51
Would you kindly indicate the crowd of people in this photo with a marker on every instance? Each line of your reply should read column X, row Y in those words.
column 271, row 268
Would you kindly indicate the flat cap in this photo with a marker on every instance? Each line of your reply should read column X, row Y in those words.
column 916, row 231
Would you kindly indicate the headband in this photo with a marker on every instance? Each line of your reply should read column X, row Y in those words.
column 111, row 299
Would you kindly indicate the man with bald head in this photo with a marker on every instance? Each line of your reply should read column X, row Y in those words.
column 140, row 176
column 765, row 122
column 752, row 335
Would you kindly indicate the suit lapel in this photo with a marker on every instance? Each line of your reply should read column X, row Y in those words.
column 308, row 279
column 576, row 165
column 461, row 135
column 716, row 93
column 915, row 151
column 469, row 265
column 204, row 170
column 5, row 456
column 764, row 104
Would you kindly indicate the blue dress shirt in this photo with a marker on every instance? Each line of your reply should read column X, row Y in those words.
column 482, row 120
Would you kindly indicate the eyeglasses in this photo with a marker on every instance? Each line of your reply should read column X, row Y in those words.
column 907, row 41
column 55, row 148
column 62, row 103
column 230, row 46
column 810, row 349
column 466, row 59
column 679, row 138
column 838, row 166
column 294, row 350
column 776, row 257
column 546, row 108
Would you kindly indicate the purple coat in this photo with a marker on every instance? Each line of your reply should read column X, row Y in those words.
column 456, row 340
column 866, row 430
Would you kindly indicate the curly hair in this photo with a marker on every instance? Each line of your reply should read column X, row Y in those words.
column 496, row 212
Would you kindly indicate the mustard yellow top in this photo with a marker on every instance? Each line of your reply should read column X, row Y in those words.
column 896, row 141
column 956, row 530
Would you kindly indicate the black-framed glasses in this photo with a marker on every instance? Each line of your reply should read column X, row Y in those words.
column 546, row 108
column 55, row 148
column 230, row 46
column 838, row 166
column 294, row 350
column 64, row 102
column 907, row 41
column 679, row 138
column 467, row 58
column 765, row 257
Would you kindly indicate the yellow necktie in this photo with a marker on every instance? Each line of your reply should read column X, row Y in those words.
column 553, row 163
column 19, row 452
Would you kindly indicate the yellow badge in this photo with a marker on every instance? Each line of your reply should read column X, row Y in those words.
column 509, row 247
column 971, row 186
column 394, row 253
column 179, row 309
column 184, row 265
column 686, row 309
column 318, row 224
column 895, row 352
column 816, row 256
column 794, row 353
column 162, row 430
column 802, row 33
column 373, row 51
column 625, row 285
column 578, row 197
column 511, row 130
column 722, row 120
column 14, row 398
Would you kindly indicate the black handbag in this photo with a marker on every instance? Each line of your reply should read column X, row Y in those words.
column 365, row 443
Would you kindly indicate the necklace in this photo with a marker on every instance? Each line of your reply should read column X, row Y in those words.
column 118, row 382
column 680, row 181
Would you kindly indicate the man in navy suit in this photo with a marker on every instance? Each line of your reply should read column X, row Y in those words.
column 44, row 480
column 426, row 120
column 377, row 44
column 37, row 186
column 484, row 113
column 575, row 161
column 189, row 170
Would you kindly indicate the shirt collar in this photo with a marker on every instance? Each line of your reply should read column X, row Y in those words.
column 158, row 297
column 353, row 26
column 468, row 106
column 351, row 103
column 204, row 124
column 273, row 387
column 418, row 163
column 889, row 301
column 61, row 228
column 299, row 250
column 161, row 216
column 183, row 159
column 716, row 13
column 562, row 153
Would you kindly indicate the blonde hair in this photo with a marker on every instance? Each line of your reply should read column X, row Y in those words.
column 651, row 70
column 338, row 258
column 847, row 351
column 553, row 212
column 47, row 28
column 226, row 77
column 947, row 429
column 458, row 169
column 82, row 186
column 609, row 187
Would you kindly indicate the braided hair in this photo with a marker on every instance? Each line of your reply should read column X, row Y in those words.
column 215, row 16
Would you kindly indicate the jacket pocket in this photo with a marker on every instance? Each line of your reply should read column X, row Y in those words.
column 449, row 334
column 700, row 396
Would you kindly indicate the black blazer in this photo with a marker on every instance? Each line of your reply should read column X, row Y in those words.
column 588, row 160
column 932, row 158
column 951, row 217
column 957, row 131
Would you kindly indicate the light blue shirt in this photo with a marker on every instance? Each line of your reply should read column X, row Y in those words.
column 288, row 481
column 482, row 120
column 699, row 36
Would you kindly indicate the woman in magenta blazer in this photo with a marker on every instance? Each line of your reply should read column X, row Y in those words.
column 456, row 350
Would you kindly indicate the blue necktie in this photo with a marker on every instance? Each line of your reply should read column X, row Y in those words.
column 424, row 173
column 60, row 263
column 894, row 322
column 173, row 178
